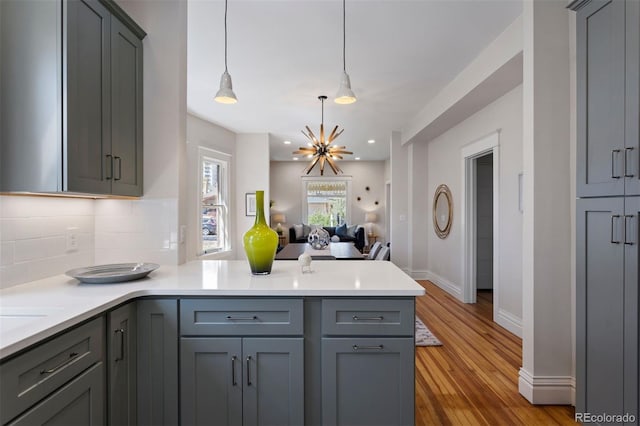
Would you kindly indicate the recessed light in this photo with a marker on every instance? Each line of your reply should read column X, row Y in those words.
column 295, row 158
column 287, row 142
column 371, row 141
column 357, row 158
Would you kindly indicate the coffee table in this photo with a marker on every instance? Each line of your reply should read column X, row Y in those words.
column 339, row 251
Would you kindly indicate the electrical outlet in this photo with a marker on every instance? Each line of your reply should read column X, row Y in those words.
column 72, row 239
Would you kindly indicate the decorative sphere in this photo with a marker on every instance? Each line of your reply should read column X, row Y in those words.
column 319, row 238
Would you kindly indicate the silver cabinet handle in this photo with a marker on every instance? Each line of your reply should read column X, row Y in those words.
column 364, row 348
column 614, row 216
column 626, row 151
column 109, row 176
column 121, row 333
column 233, row 370
column 72, row 356
column 357, row 318
column 119, row 160
column 613, row 153
column 627, row 216
column 249, row 370
column 252, row 318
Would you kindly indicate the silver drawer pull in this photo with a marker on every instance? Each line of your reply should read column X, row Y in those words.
column 72, row 356
column 121, row 333
column 230, row 318
column 364, row 348
column 626, row 151
column 627, row 216
column 357, row 318
column 613, row 154
column 614, row 216
column 249, row 370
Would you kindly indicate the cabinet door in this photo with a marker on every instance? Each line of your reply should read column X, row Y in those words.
column 87, row 112
column 273, row 381
column 367, row 381
column 80, row 402
column 631, row 298
column 126, row 118
column 632, row 133
column 122, row 366
column 600, row 302
column 157, row 362
column 600, row 53
column 211, row 381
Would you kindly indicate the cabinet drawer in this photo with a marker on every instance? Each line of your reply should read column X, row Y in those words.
column 238, row 317
column 375, row 317
column 33, row 375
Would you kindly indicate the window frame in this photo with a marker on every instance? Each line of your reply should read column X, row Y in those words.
column 313, row 179
column 224, row 161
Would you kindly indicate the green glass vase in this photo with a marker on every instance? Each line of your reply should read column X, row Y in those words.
column 260, row 242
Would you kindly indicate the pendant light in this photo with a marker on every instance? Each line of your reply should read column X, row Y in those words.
column 345, row 95
column 225, row 95
column 320, row 150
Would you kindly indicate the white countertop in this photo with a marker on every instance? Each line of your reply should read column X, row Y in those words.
column 34, row 311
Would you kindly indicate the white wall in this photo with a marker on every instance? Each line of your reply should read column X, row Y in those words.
column 547, row 353
column 33, row 237
column 252, row 174
column 444, row 165
column 202, row 133
column 399, row 233
column 419, row 204
column 286, row 191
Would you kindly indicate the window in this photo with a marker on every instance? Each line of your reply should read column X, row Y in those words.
column 326, row 201
column 213, row 211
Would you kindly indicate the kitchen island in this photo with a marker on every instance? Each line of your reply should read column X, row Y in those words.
column 323, row 347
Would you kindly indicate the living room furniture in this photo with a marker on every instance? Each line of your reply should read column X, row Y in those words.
column 358, row 240
column 373, row 252
column 340, row 251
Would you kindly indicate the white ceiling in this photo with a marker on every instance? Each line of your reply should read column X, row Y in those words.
column 283, row 54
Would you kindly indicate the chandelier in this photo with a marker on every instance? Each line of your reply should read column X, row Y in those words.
column 321, row 151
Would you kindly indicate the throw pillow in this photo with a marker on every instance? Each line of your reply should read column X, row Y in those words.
column 298, row 230
column 335, row 239
column 305, row 230
column 351, row 231
column 341, row 230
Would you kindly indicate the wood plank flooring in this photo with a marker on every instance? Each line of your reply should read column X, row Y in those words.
column 473, row 378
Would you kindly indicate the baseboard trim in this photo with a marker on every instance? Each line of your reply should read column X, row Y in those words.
column 420, row 275
column 510, row 322
column 544, row 390
column 444, row 284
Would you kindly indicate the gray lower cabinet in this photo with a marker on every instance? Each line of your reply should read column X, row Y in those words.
column 607, row 305
column 242, row 381
column 157, row 361
column 78, row 403
column 367, row 381
column 122, row 368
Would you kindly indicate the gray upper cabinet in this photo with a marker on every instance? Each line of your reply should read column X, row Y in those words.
column 632, row 93
column 601, row 98
column 121, row 335
column 71, row 109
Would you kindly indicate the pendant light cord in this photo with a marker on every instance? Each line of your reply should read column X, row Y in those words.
column 344, row 36
column 225, row 36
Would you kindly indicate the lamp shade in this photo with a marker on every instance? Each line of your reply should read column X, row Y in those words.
column 370, row 217
column 278, row 218
column 345, row 95
column 225, row 95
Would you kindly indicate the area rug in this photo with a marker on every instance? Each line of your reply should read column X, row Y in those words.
column 424, row 336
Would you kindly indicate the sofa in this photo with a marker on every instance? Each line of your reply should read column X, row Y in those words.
column 358, row 239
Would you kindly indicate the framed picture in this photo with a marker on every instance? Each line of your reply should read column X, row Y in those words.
column 250, row 204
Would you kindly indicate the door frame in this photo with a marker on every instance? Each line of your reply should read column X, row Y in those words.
column 489, row 144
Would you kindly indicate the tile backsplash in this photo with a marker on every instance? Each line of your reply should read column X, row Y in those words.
column 34, row 233
column 33, row 237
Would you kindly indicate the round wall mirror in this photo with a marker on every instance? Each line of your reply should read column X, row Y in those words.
column 442, row 211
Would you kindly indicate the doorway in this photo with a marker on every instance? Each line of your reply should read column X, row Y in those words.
column 480, row 221
column 484, row 227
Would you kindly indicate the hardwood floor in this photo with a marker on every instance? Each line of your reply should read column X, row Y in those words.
column 473, row 378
